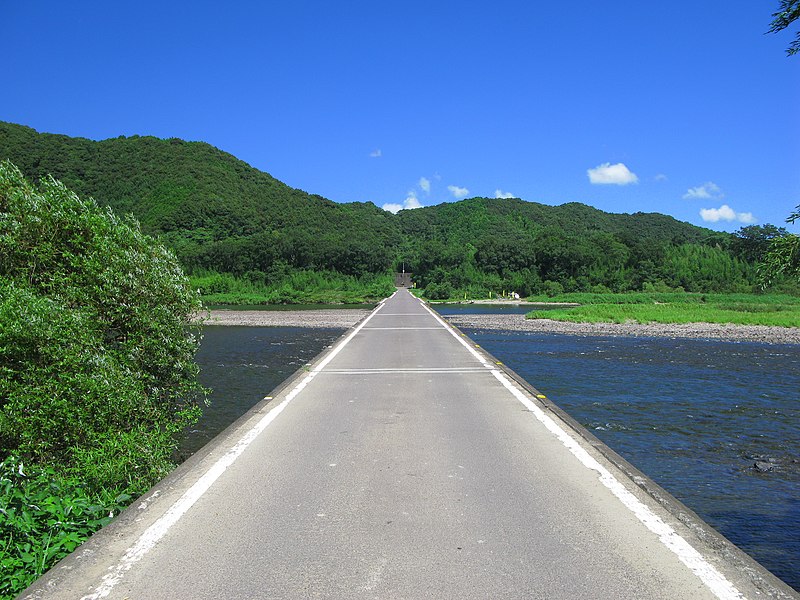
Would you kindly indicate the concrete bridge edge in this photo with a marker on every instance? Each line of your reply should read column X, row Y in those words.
column 151, row 505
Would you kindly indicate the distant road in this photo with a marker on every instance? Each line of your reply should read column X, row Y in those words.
column 403, row 463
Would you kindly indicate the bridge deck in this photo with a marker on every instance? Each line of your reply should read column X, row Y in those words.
column 403, row 464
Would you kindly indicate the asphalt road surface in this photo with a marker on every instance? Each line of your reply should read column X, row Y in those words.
column 401, row 464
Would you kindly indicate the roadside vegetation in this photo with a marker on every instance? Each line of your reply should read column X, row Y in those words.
column 297, row 287
column 97, row 371
column 741, row 309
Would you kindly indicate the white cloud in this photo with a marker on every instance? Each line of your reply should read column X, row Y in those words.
column 498, row 193
column 661, row 177
column 425, row 185
column 703, row 192
column 392, row 207
column 410, row 202
column 607, row 173
column 458, row 192
column 376, row 153
column 725, row 213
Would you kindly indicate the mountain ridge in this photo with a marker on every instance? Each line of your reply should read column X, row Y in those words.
column 219, row 213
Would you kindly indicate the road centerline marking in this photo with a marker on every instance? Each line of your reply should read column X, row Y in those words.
column 400, row 328
column 433, row 371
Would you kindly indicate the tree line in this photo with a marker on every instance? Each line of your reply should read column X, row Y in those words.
column 219, row 215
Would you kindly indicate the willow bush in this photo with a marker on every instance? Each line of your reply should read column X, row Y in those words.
column 97, row 371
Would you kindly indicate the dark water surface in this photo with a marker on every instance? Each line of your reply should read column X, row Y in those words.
column 694, row 415
column 241, row 365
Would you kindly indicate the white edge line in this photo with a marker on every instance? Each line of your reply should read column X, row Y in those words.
column 716, row 581
column 406, row 371
column 158, row 530
column 686, row 553
column 452, row 331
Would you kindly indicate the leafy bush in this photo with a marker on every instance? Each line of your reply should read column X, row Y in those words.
column 96, row 361
column 97, row 371
column 439, row 291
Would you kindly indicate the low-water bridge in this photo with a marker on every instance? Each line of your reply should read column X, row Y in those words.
column 406, row 463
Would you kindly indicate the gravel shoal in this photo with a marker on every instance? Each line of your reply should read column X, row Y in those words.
column 733, row 333
column 347, row 317
column 340, row 317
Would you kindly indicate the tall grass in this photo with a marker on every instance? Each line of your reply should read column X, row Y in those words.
column 297, row 287
column 739, row 309
column 744, row 300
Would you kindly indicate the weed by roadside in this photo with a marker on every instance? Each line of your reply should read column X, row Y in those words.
column 44, row 517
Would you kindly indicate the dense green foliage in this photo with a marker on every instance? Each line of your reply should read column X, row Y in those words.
column 298, row 287
column 213, row 210
column 486, row 245
column 221, row 216
column 45, row 516
column 97, row 372
column 781, row 259
column 672, row 307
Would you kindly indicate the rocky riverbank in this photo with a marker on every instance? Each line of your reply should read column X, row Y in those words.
column 735, row 333
column 347, row 317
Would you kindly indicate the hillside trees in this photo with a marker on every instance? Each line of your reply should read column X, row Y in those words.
column 750, row 243
column 485, row 245
column 781, row 260
column 215, row 211
column 223, row 217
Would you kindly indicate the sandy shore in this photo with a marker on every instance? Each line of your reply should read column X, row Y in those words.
column 734, row 333
column 339, row 317
column 347, row 317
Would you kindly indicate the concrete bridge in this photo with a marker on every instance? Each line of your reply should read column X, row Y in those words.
column 407, row 463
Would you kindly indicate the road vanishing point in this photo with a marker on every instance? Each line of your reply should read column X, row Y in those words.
column 405, row 462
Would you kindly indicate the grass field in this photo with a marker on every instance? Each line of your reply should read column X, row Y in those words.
column 739, row 309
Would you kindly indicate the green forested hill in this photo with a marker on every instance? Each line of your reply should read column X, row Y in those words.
column 510, row 244
column 214, row 210
column 221, row 215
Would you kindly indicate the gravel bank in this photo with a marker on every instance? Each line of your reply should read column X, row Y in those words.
column 347, row 317
column 733, row 333
column 341, row 317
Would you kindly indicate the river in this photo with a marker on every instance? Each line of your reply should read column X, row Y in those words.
column 694, row 415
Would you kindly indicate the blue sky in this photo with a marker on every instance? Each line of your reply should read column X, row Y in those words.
column 684, row 107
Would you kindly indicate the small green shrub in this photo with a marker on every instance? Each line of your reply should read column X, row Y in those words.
column 44, row 517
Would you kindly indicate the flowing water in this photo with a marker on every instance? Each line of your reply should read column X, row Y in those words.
column 241, row 365
column 694, row 415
